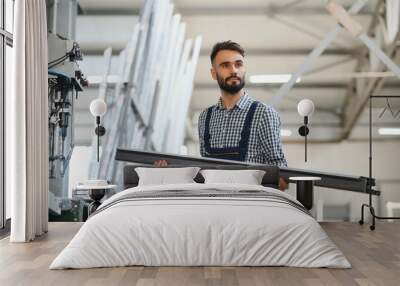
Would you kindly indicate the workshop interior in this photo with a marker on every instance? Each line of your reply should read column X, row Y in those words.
column 93, row 93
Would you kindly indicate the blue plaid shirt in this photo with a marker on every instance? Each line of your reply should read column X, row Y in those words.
column 265, row 144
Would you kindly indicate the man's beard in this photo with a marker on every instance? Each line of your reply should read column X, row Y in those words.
column 230, row 88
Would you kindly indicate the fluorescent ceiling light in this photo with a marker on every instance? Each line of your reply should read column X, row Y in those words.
column 97, row 79
column 389, row 131
column 271, row 78
column 286, row 132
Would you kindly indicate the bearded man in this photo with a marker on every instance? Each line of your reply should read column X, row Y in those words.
column 238, row 127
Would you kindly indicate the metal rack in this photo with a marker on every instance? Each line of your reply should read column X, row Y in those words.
column 369, row 205
column 152, row 91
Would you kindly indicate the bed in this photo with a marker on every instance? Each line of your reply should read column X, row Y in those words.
column 201, row 224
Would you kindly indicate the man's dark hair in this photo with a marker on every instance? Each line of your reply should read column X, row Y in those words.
column 227, row 45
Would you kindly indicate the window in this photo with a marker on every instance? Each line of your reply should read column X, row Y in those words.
column 9, row 12
column 6, row 42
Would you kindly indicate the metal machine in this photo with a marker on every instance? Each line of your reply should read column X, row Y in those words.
column 65, row 81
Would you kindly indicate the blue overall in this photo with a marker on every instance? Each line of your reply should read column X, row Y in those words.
column 237, row 153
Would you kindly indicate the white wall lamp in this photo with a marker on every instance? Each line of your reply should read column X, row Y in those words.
column 305, row 108
column 98, row 108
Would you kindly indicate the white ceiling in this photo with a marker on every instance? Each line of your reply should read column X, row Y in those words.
column 215, row 4
column 277, row 36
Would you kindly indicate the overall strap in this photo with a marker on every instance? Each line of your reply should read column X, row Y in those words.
column 244, row 140
column 207, row 135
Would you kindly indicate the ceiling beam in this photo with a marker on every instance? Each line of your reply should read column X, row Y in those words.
column 301, row 85
column 205, row 52
column 315, row 53
column 356, row 100
column 362, row 59
column 290, row 51
column 117, row 11
column 268, row 10
column 358, row 94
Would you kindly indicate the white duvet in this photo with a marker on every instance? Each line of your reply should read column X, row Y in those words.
column 200, row 231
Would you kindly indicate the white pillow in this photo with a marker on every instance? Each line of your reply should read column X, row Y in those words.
column 248, row 177
column 163, row 176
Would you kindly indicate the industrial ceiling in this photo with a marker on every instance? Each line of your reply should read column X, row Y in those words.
column 277, row 36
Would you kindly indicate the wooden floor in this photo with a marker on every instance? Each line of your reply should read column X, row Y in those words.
column 374, row 255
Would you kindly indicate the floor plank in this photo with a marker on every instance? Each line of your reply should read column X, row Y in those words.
column 374, row 255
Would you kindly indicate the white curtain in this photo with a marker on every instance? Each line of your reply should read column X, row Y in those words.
column 27, row 133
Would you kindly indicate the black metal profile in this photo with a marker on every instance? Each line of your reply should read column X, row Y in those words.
column 328, row 180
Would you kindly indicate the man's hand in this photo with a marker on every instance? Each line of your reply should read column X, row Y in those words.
column 160, row 163
column 282, row 184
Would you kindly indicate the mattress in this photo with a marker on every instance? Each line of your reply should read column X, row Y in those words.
column 201, row 225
